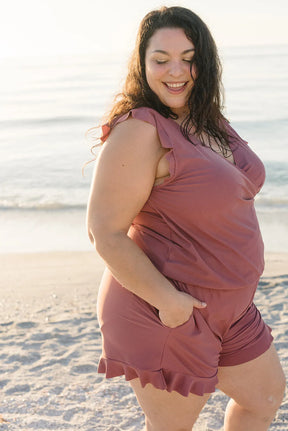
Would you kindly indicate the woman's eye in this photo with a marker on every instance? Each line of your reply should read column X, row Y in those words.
column 166, row 61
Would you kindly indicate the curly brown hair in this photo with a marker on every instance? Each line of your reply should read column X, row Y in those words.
column 206, row 99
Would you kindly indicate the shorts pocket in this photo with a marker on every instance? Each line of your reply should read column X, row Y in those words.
column 188, row 322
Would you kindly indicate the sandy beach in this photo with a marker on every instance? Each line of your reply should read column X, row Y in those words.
column 50, row 345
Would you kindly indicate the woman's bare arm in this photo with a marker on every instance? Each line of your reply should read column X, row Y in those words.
column 123, row 178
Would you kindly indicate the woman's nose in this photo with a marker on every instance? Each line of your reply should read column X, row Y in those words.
column 176, row 69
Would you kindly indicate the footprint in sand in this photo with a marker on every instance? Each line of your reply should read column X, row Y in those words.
column 3, row 383
column 84, row 369
column 18, row 389
column 24, row 359
column 41, row 336
column 26, row 325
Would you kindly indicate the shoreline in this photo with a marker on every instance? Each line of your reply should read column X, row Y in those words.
column 50, row 345
column 29, row 231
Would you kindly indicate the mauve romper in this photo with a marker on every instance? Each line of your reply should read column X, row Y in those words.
column 199, row 228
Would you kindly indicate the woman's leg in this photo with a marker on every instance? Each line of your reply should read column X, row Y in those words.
column 256, row 389
column 168, row 411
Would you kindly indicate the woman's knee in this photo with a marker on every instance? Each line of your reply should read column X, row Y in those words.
column 267, row 404
column 276, row 396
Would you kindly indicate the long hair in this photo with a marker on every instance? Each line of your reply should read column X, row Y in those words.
column 206, row 99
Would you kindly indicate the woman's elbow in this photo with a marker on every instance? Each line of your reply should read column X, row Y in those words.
column 91, row 236
column 102, row 238
column 94, row 234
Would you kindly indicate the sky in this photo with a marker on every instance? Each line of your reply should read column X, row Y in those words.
column 55, row 27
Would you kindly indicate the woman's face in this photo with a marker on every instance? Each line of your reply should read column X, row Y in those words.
column 167, row 62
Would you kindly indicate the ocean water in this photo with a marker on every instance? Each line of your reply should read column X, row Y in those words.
column 47, row 104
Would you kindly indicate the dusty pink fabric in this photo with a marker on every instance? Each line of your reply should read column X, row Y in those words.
column 200, row 229
column 200, row 226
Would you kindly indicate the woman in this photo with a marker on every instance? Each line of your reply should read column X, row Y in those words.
column 171, row 213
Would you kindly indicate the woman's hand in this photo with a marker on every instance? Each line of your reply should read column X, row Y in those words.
column 181, row 310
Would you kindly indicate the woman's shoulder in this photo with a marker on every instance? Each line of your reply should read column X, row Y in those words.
column 142, row 121
column 143, row 113
column 134, row 132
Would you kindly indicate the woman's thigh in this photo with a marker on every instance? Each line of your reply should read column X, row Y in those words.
column 254, row 385
column 168, row 411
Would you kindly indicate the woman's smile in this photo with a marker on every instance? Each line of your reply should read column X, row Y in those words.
column 175, row 87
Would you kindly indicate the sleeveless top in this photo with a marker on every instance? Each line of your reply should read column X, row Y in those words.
column 199, row 226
